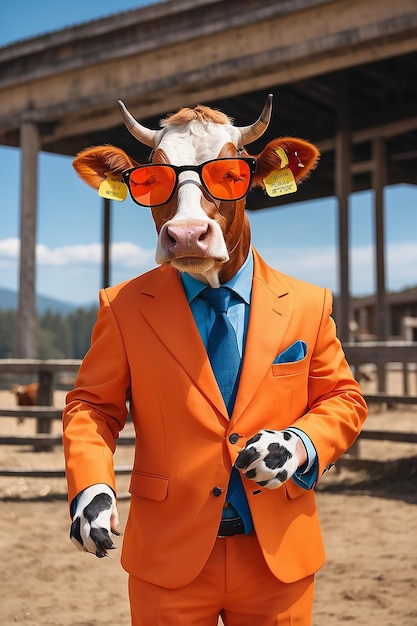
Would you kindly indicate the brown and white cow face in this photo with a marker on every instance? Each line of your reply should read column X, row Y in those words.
column 208, row 238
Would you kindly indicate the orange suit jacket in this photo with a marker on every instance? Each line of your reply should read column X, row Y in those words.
column 146, row 349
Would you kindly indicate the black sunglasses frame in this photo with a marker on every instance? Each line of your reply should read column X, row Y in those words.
column 190, row 168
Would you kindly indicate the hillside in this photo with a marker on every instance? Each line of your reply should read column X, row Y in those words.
column 9, row 298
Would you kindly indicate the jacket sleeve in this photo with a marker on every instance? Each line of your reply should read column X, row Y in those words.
column 336, row 407
column 96, row 408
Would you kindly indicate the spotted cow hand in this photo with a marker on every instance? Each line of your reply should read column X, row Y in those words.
column 95, row 518
column 271, row 457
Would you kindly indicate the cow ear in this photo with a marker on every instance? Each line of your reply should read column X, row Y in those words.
column 299, row 155
column 94, row 164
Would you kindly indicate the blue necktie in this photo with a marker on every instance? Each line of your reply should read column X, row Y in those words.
column 222, row 346
column 223, row 352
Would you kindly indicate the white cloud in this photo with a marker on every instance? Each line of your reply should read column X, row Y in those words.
column 130, row 255
column 73, row 273
column 402, row 265
column 89, row 254
column 125, row 254
column 9, row 249
column 320, row 265
column 317, row 265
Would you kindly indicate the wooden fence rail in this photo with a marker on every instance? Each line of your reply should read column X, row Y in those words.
column 45, row 371
column 358, row 354
column 382, row 354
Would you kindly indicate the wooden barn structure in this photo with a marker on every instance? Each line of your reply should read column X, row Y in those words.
column 343, row 74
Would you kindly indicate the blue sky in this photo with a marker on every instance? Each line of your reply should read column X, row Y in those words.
column 299, row 239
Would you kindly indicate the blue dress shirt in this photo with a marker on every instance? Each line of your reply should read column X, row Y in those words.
column 238, row 314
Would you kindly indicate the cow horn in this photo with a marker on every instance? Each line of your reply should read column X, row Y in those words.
column 248, row 134
column 143, row 134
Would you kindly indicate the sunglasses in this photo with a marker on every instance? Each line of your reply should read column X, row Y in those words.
column 223, row 179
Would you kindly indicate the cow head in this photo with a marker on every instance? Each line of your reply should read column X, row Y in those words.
column 199, row 212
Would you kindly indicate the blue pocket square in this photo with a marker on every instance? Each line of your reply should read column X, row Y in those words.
column 295, row 352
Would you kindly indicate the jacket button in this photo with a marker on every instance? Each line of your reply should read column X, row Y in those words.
column 216, row 491
column 234, row 438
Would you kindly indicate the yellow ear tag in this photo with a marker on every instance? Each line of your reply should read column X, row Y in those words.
column 113, row 189
column 280, row 182
column 283, row 156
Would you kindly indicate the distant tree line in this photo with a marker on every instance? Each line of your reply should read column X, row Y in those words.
column 58, row 336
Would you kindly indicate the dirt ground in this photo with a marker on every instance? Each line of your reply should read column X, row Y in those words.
column 369, row 522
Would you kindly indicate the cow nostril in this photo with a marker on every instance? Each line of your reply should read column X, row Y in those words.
column 204, row 234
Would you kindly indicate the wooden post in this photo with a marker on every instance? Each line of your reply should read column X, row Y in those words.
column 342, row 191
column 343, row 186
column 26, row 318
column 379, row 179
column 381, row 308
column 45, row 398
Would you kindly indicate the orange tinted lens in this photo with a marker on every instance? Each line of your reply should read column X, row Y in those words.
column 152, row 185
column 226, row 179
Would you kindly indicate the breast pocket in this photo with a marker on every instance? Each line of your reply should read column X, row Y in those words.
column 290, row 388
column 295, row 368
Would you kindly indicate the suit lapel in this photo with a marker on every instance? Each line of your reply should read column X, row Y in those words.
column 270, row 315
column 169, row 315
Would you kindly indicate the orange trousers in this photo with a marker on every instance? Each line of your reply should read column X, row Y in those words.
column 235, row 584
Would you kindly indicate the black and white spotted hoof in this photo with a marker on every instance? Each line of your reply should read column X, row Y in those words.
column 269, row 458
